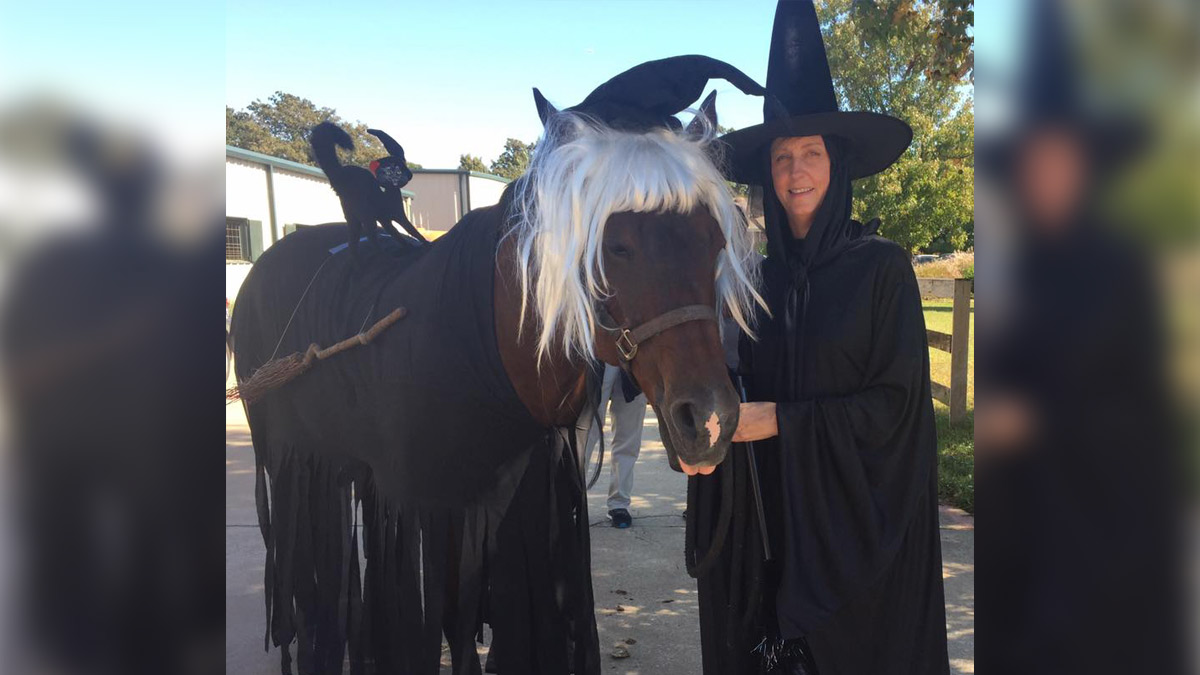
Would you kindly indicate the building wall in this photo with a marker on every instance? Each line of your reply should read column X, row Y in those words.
column 439, row 203
column 484, row 191
column 305, row 200
column 246, row 193
column 235, row 274
column 300, row 199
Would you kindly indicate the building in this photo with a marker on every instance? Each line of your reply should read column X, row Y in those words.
column 267, row 198
column 449, row 194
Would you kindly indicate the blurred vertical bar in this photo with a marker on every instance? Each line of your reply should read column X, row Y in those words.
column 1088, row 334
column 111, row 490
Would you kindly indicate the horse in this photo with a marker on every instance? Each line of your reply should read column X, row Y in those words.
column 451, row 431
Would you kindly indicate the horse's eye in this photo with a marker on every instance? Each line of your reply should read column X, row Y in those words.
column 620, row 251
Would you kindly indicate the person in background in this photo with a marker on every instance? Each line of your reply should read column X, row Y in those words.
column 628, row 409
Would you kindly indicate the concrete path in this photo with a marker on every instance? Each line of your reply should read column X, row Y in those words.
column 645, row 601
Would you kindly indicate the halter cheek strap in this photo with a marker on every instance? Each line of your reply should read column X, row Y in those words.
column 628, row 340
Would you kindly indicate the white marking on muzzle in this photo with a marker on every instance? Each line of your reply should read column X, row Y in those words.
column 714, row 430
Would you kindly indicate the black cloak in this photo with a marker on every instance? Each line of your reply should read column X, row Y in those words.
column 850, row 483
column 1082, row 545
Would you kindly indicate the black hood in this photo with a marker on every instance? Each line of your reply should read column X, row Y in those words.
column 832, row 230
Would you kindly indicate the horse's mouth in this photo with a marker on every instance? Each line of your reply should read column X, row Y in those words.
column 673, row 459
column 694, row 470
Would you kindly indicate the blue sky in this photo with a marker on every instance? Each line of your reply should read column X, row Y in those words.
column 150, row 65
column 998, row 48
column 453, row 78
column 445, row 78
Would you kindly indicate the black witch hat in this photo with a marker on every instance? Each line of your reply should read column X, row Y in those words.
column 1050, row 96
column 798, row 74
column 649, row 94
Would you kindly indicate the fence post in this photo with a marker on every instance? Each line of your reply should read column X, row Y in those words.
column 960, row 344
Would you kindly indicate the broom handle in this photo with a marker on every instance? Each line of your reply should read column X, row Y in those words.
column 756, row 486
column 355, row 340
column 314, row 353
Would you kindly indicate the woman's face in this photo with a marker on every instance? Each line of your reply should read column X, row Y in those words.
column 1052, row 175
column 800, row 173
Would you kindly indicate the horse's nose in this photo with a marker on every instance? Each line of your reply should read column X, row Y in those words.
column 699, row 426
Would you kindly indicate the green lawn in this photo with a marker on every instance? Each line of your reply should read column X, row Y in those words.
column 956, row 444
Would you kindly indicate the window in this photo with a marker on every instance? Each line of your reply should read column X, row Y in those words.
column 237, row 240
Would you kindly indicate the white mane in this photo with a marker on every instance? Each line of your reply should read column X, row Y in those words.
column 581, row 173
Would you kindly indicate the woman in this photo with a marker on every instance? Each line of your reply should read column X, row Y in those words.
column 840, row 406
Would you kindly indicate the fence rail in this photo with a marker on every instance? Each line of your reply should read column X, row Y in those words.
column 957, row 342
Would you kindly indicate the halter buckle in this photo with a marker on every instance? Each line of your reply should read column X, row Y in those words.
column 630, row 348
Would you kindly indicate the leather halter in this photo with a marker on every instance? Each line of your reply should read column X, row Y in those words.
column 628, row 340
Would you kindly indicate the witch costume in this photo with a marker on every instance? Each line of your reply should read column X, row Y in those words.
column 849, row 486
column 472, row 511
column 1085, row 534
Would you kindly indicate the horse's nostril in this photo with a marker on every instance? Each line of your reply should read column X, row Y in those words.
column 686, row 416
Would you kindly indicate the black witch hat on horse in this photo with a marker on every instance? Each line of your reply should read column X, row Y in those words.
column 450, row 427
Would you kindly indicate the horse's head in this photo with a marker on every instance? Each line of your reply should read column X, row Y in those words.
column 656, row 264
column 619, row 229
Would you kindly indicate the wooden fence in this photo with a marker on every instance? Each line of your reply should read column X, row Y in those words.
column 957, row 342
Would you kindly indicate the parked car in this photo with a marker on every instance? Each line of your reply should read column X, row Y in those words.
column 924, row 258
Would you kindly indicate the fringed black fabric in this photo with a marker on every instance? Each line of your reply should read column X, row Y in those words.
column 428, row 573
column 733, row 620
column 540, row 601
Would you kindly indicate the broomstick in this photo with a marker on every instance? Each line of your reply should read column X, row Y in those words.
column 755, row 484
column 277, row 372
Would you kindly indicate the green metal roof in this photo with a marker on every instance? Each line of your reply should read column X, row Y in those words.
column 289, row 165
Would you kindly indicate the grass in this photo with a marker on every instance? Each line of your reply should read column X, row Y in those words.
column 956, row 443
column 960, row 265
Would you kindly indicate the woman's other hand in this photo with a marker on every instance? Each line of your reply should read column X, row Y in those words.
column 756, row 422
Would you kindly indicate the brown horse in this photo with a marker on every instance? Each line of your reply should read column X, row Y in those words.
column 447, row 432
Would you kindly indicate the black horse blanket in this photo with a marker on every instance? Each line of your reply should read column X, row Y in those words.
column 470, row 512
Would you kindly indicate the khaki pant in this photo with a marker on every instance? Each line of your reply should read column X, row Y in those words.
column 621, row 450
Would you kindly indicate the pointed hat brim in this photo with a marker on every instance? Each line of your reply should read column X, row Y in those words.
column 876, row 142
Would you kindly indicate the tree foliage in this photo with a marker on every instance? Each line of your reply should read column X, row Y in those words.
column 911, row 59
column 280, row 126
column 471, row 163
column 513, row 160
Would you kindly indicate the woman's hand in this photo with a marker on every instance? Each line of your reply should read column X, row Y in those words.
column 1005, row 425
column 756, row 422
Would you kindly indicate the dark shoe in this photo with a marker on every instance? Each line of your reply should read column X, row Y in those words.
column 620, row 518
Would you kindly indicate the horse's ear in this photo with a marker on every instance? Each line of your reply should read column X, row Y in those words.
column 544, row 108
column 708, row 108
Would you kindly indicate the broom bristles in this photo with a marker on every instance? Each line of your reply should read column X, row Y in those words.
column 280, row 371
column 272, row 374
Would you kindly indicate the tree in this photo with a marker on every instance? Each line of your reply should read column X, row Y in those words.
column 514, row 160
column 280, row 126
column 471, row 163
column 911, row 59
column 738, row 189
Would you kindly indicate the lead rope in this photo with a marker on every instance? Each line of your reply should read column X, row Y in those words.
column 694, row 569
column 599, row 425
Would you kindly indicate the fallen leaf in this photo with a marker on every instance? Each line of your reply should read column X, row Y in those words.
column 620, row 652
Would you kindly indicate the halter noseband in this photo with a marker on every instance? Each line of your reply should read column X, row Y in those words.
column 628, row 340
